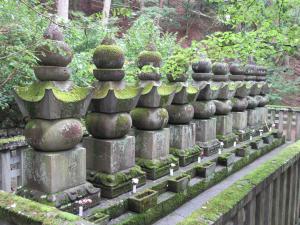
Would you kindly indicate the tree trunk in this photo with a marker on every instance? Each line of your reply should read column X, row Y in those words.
column 105, row 11
column 142, row 5
column 63, row 8
column 161, row 3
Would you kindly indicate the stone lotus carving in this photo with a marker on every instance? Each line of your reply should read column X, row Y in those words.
column 180, row 114
column 242, row 89
column 50, row 100
column 156, row 95
column 209, row 92
column 262, row 100
column 227, row 91
column 256, row 88
column 265, row 88
column 185, row 94
column 110, row 97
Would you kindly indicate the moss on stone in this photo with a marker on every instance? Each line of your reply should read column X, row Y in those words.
column 126, row 93
column 231, row 196
column 111, row 180
column 29, row 212
column 35, row 92
column 166, row 90
column 192, row 90
column 185, row 152
column 153, row 58
column 147, row 88
column 155, row 163
column 109, row 53
column 233, row 86
column 4, row 141
column 214, row 87
column 249, row 84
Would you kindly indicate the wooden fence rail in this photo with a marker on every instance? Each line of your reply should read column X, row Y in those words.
column 287, row 120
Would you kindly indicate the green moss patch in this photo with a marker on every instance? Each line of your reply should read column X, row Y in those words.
column 127, row 93
column 29, row 212
column 185, row 152
column 166, row 90
column 230, row 197
column 36, row 92
column 4, row 141
column 156, row 164
column 111, row 180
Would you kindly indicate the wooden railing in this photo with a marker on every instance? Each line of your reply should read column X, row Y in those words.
column 287, row 120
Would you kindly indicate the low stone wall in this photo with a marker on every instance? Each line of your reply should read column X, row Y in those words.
column 268, row 195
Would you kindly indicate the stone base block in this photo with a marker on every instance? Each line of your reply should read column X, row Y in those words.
column 186, row 156
column 113, row 185
column 66, row 200
column 224, row 124
column 262, row 115
column 210, row 147
column 110, row 155
column 228, row 140
column 182, row 136
column 205, row 130
column 152, row 144
column 243, row 135
column 51, row 172
column 158, row 168
column 252, row 119
column 239, row 120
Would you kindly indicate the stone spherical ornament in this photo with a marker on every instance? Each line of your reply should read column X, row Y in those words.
column 109, row 74
column 108, row 57
column 223, row 107
column 53, row 135
column 204, row 109
column 182, row 78
column 202, row 66
column 239, row 104
column 250, row 69
column 108, row 126
column 52, row 73
column 252, row 102
column 219, row 68
column 60, row 55
column 236, row 69
column 180, row 114
column 149, row 118
column 152, row 58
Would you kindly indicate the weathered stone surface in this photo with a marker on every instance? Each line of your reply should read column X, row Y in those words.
column 262, row 115
column 109, row 74
column 149, row 118
column 110, row 156
column 205, row 129
column 209, row 92
column 152, row 144
column 204, row 109
column 239, row 104
column 108, row 126
column 53, row 135
column 223, row 107
column 49, row 73
column 239, row 120
column 180, row 114
column 51, row 172
column 182, row 136
column 252, row 102
column 224, row 124
column 252, row 118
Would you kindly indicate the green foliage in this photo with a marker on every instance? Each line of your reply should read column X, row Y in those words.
column 150, row 69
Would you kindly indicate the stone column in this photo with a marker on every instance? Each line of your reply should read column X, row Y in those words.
column 205, row 108
column 110, row 151
column 182, row 131
column 223, row 104
column 150, row 118
column 55, row 166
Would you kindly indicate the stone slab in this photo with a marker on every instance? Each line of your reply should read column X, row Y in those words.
column 110, row 155
column 252, row 118
column 182, row 136
column 51, row 172
column 152, row 144
column 224, row 124
column 262, row 115
column 239, row 120
column 205, row 129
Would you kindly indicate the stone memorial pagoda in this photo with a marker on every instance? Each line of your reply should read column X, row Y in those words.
column 223, row 104
column 181, row 112
column 55, row 165
column 204, row 107
column 150, row 117
column 110, row 150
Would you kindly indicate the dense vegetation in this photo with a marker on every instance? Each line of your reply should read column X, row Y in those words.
column 267, row 29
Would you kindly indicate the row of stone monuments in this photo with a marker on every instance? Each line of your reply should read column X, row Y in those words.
column 136, row 132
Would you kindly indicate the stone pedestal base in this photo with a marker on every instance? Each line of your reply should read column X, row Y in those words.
column 228, row 140
column 239, row 120
column 224, row 125
column 252, row 119
column 243, row 135
column 182, row 136
column 262, row 115
column 110, row 159
column 51, row 172
column 182, row 143
column 152, row 144
column 59, row 178
column 206, row 135
column 109, row 155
